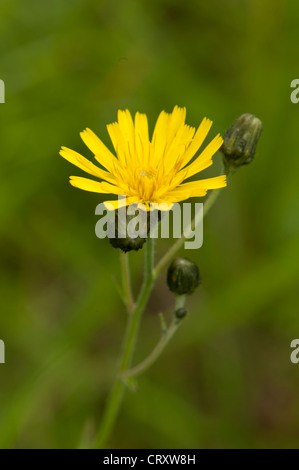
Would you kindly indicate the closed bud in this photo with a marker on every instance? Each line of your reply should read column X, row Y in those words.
column 122, row 240
column 183, row 276
column 128, row 244
column 240, row 142
column 131, row 229
column 180, row 313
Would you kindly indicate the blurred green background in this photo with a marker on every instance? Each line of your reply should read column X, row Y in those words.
column 226, row 380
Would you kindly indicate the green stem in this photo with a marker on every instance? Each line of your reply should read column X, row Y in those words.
column 161, row 345
column 117, row 392
column 126, row 281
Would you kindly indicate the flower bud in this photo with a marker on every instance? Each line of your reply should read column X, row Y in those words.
column 240, row 142
column 180, row 313
column 127, row 244
column 122, row 240
column 183, row 276
column 124, row 230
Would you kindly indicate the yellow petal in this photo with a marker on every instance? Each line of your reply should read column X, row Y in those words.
column 126, row 125
column 95, row 186
column 101, row 152
column 159, row 138
column 176, row 121
column 142, row 143
column 118, row 141
column 204, row 160
column 84, row 164
column 177, row 148
column 197, row 141
column 141, row 127
column 195, row 187
column 118, row 203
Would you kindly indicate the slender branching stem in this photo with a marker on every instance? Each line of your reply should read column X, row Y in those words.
column 161, row 345
column 136, row 310
column 117, row 392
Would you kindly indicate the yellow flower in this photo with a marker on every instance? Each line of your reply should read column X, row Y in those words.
column 148, row 171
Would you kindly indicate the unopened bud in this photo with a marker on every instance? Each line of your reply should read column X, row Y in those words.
column 183, row 276
column 122, row 240
column 128, row 244
column 240, row 141
column 180, row 313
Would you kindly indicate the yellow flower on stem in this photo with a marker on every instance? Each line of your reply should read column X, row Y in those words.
column 148, row 171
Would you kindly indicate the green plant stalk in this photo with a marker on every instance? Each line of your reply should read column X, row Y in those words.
column 161, row 345
column 126, row 281
column 151, row 273
column 116, row 395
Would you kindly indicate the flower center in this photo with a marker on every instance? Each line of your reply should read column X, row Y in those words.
column 146, row 182
column 149, row 173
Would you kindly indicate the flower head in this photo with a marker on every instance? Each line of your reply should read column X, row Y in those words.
column 148, row 171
